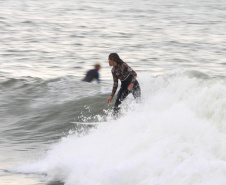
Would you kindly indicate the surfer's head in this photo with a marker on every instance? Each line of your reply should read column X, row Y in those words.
column 115, row 57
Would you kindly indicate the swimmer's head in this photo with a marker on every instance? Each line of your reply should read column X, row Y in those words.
column 97, row 66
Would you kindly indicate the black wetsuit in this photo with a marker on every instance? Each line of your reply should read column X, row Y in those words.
column 92, row 74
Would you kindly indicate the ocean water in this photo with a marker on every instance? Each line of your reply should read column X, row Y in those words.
column 176, row 135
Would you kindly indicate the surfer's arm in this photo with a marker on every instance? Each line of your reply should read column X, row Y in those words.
column 115, row 85
column 131, row 72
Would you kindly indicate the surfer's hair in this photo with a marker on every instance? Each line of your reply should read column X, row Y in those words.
column 116, row 58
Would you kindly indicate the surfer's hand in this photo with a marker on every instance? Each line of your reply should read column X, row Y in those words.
column 109, row 99
column 130, row 86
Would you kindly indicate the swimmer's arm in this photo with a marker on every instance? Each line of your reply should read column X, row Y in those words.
column 98, row 78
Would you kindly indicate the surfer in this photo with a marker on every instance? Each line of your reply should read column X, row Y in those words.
column 129, row 84
column 93, row 74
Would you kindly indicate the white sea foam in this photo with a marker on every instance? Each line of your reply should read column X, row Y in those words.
column 175, row 136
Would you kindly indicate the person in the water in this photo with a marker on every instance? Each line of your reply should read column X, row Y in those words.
column 93, row 74
column 129, row 84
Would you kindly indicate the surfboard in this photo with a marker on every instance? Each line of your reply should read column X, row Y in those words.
column 88, row 123
column 92, row 123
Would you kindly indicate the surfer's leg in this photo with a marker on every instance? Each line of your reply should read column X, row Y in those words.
column 136, row 91
column 122, row 94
